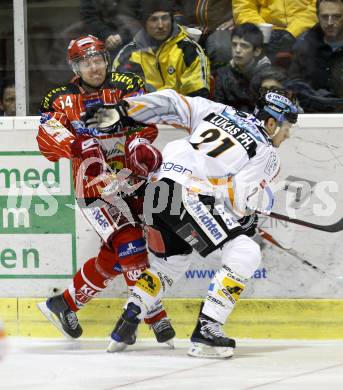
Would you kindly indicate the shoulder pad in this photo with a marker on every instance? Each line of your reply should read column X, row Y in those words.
column 53, row 94
column 128, row 83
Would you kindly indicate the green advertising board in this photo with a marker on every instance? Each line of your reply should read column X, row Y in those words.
column 37, row 217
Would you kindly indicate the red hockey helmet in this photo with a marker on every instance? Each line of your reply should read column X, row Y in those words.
column 84, row 47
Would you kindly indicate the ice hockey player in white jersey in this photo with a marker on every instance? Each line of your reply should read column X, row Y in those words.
column 199, row 200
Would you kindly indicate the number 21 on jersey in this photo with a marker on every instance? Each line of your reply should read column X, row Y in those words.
column 219, row 140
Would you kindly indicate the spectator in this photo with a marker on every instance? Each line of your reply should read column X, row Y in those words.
column 316, row 69
column 163, row 54
column 232, row 85
column 114, row 22
column 7, row 97
column 269, row 77
column 214, row 18
column 289, row 18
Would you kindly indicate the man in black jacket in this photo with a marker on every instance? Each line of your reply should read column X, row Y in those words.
column 317, row 66
column 232, row 85
column 114, row 22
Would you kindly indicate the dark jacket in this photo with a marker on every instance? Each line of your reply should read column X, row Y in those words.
column 232, row 87
column 208, row 14
column 107, row 17
column 317, row 64
column 314, row 101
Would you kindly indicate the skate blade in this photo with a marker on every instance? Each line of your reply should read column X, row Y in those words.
column 116, row 346
column 170, row 344
column 205, row 351
column 50, row 316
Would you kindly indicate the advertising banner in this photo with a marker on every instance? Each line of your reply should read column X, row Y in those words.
column 44, row 238
column 37, row 222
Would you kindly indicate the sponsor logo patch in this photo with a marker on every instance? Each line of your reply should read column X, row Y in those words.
column 205, row 220
column 149, row 283
column 164, row 278
column 48, row 99
column 99, row 221
column 85, row 294
column 192, row 237
column 214, row 300
column 132, row 248
column 92, row 102
column 169, row 166
column 117, row 267
column 100, row 218
column 137, row 297
column 133, row 274
column 232, row 289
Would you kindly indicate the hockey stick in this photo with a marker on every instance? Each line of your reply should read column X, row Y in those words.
column 268, row 237
column 334, row 228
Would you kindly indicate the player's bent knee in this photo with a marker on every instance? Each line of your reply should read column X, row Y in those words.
column 130, row 248
column 106, row 269
column 106, row 264
column 242, row 255
column 171, row 270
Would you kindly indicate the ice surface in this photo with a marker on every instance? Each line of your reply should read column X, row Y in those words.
column 35, row 364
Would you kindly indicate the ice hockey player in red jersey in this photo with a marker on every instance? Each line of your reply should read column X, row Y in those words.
column 94, row 154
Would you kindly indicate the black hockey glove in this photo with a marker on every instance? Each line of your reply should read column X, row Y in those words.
column 108, row 118
column 249, row 224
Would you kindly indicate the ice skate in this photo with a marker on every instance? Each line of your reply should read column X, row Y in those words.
column 164, row 332
column 56, row 310
column 209, row 341
column 124, row 333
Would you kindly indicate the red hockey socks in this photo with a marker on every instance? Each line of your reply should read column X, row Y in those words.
column 88, row 282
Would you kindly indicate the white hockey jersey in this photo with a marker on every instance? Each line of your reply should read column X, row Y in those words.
column 227, row 154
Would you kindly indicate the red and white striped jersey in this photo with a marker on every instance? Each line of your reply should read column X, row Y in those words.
column 67, row 104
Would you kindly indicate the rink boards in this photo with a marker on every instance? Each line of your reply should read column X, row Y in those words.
column 252, row 318
column 44, row 238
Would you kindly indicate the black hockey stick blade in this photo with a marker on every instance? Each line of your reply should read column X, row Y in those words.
column 334, row 228
column 268, row 237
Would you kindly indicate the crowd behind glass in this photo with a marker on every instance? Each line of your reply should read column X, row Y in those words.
column 220, row 49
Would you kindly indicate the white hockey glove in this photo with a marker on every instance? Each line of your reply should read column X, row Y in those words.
column 108, row 118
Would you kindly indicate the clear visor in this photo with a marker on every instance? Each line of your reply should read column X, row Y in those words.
column 90, row 58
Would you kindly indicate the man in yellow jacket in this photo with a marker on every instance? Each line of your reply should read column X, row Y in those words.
column 164, row 55
column 289, row 18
